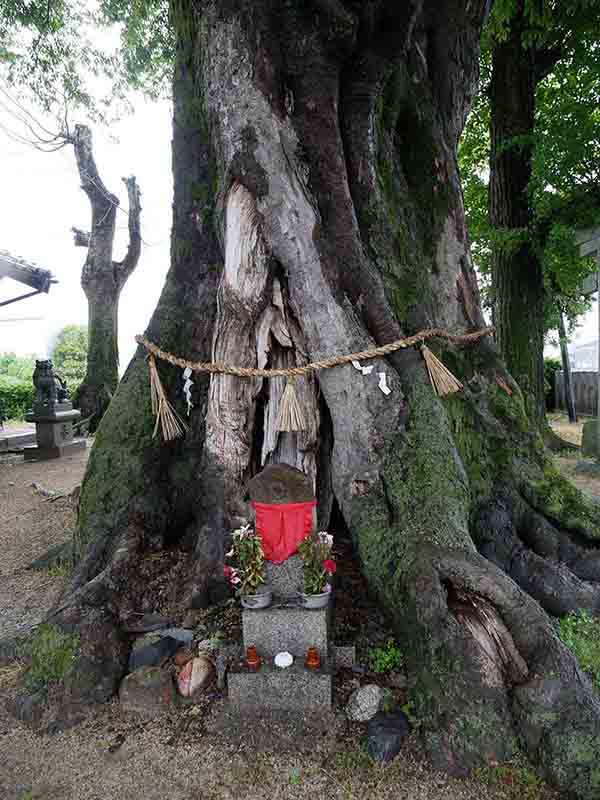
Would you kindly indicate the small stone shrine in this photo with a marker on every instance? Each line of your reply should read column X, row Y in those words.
column 283, row 502
column 53, row 414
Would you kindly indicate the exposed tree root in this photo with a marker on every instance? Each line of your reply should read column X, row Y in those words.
column 507, row 679
column 529, row 549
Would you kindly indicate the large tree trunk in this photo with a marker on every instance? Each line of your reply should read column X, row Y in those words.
column 518, row 281
column 318, row 211
column 102, row 278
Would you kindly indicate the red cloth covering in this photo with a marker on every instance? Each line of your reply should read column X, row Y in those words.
column 282, row 526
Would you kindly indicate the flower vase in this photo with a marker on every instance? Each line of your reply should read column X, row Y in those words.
column 257, row 601
column 315, row 600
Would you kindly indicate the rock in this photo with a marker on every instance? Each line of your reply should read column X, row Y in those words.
column 148, row 691
column 364, row 703
column 207, row 646
column 29, row 708
column 195, row 676
column 184, row 635
column 147, row 623
column 281, row 483
column 145, row 640
column 182, row 656
column 152, row 655
column 385, row 735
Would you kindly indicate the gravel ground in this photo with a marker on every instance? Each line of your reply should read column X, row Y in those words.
column 195, row 752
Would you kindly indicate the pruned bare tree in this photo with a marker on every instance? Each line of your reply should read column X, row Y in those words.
column 102, row 277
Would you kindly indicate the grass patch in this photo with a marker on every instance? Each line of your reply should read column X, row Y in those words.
column 581, row 633
column 52, row 654
column 352, row 759
column 385, row 658
column 518, row 780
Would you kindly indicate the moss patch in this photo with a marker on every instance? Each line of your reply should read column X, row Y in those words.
column 52, row 654
column 581, row 633
column 557, row 498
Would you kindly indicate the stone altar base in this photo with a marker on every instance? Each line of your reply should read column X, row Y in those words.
column 54, row 431
column 294, row 629
column 295, row 689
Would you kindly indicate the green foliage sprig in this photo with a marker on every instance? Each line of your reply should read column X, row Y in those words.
column 248, row 561
column 315, row 552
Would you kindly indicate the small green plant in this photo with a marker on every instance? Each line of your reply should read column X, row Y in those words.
column 581, row 633
column 295, row 777
column 519, row 782
column 409, row 711
column 385, row 658
column 52, row 653
column 388, row 701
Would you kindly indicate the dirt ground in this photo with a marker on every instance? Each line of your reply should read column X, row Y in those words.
column 30, row 522
column 567, row 462
column 195, row 752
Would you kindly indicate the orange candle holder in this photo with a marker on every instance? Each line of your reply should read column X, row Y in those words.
column 252, row 658
column 312, row 660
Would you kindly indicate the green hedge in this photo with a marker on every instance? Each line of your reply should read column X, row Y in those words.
column 16, row 397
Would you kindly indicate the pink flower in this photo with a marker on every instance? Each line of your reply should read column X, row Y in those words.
column 329, row 566
column 227, row 571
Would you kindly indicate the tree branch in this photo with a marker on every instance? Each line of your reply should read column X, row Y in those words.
column 81, row 238
column 91, row 182
column 124, row 268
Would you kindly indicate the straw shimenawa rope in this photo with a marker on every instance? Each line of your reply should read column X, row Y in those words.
column 290, row 413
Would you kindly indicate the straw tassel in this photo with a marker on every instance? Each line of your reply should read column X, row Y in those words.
column 291, row 416
column 442, row 380
column 171, row 424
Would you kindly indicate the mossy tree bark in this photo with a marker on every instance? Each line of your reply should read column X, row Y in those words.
column 102, row 278
column 318, row 210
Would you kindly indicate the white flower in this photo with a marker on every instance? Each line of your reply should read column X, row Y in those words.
column 244, row 532
column 230, row 553
column 325, row 538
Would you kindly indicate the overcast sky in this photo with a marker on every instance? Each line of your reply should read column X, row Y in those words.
column 41, row 198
